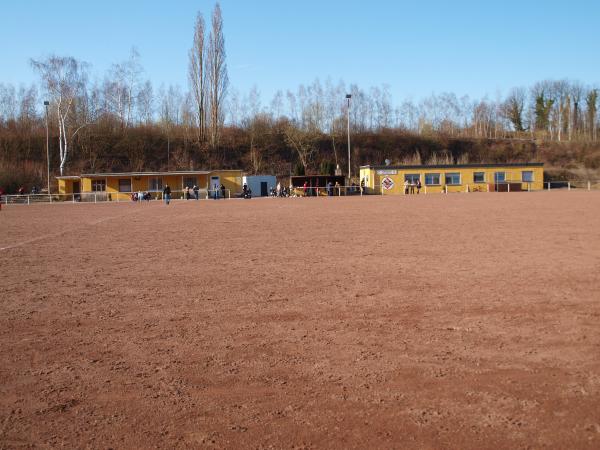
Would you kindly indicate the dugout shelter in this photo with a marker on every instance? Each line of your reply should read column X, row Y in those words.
column 316, row 184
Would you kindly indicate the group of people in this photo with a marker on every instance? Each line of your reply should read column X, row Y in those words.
column 190, row 193
column 193, row 192
column 410, row 186
column 331, row 189
column 281, row 191
column 139, row 196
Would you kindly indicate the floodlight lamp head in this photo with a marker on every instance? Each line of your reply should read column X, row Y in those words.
column 46, row 102
column 348, row 96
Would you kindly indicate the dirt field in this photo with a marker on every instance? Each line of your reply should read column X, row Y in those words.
column 458, row 321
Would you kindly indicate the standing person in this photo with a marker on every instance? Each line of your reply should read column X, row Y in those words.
column 223, row 189
column 418, row 185
column 196, row 190
column 329, row 189
column 278, row 189
column 338, row 188
column 362, row 186
column 167, row 194
column 406, row 186
column 412, row 187
column 215, row 191
column 304, row 188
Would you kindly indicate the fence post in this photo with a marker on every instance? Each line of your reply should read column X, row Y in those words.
column 528, row 187
column 28, row 197
column 507, row 187
column 568, row 186
column 445, row 189
column 549, row 187
column 589, row 186
column 95, row 198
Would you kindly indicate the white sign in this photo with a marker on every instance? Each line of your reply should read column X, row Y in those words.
column 387, row 172
column 387, row 183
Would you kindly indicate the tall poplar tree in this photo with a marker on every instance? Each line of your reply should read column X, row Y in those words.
column 218, row 79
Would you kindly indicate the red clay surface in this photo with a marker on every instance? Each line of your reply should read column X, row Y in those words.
column 458, row 321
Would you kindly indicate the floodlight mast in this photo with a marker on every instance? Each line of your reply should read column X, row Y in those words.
column 46, row 103
column 348, row 97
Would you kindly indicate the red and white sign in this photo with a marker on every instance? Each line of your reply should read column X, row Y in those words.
column 387, row 183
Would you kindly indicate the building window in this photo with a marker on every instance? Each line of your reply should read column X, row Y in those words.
column 155, row 184
column 527, row 176
column 432, row 179
column 98, row 185
column 499, row 177
column 190, row 182
column 453, row 178
column 412, row 177
column 125, row 185
column 479, row 177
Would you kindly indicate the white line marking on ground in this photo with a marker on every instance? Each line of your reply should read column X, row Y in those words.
column 61, row 233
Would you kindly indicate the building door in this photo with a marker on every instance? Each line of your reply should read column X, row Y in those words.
column 215, row 183
column 264, row 189
column 76, row 190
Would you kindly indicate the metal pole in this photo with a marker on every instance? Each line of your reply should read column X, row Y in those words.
column 348, row 97
column 46, row 103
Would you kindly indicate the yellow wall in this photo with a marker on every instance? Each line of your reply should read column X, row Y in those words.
column 231, row 179
column 513, row 175
column 65, row 186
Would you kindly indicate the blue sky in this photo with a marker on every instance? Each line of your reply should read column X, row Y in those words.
column 416, row 47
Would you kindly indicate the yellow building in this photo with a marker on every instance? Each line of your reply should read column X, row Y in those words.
column 119, row 186
column 454, row 178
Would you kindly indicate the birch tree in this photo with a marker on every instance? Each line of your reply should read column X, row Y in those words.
column 64, row 79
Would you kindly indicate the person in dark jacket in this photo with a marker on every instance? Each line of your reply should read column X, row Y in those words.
column 167, row 194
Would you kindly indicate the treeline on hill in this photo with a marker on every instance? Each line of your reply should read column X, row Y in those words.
column 121, row 122
column 276, row 148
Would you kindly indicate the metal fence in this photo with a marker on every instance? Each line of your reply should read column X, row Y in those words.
column 335, row 191
column 117, row 197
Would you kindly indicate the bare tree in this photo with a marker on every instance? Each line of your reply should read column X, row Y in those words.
column 216, row 75
column 577, row 92
column 145, row 103
column 64, row 78
column 303, row 141
column 197, row 76
column 8, row 102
